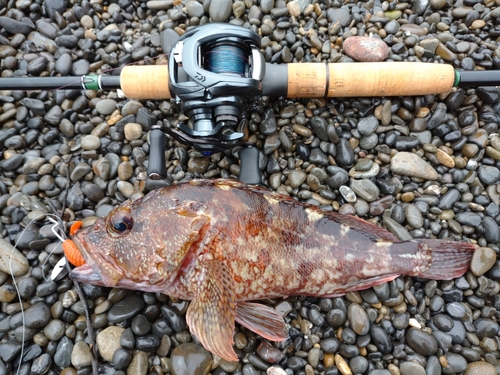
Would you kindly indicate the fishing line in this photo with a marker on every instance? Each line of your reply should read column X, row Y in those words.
column 14, row 282
column 227, row 59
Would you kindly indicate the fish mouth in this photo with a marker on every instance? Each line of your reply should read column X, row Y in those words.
column 85, row 273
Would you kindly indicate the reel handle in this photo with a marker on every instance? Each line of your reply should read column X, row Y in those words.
column 156, row 165
column 249, row 171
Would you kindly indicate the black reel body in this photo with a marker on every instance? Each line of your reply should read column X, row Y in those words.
column 213, row 69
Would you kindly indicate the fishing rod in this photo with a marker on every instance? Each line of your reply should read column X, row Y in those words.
column 214, row 69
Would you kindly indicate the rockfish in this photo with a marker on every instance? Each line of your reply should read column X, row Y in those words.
column 221, row 243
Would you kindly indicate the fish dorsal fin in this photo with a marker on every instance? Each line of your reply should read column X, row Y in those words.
column 211, row 314
column 261, row 319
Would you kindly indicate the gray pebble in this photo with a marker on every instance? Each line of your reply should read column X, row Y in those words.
column 220, row 10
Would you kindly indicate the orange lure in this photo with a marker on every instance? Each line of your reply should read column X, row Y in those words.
column 70, row 250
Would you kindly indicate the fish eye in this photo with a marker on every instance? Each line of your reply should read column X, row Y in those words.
column 120, row 222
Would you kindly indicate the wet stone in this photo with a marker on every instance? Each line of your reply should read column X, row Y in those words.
column 483, row 259
column 480, row 368
column 296, row 178
column 139, row 364
column 468, row 218
column 37, row 316
column 177, row 322
column 443, row 322
column 421, row 342
column 413, row 216
column 62, row 357
column 488, row 94
column 9, row 350
column 455, row 310
column 330, row 345
column 147, row 343
column 486, row 328
column 269, row 353
column 127, row 339
column 365, row 189
column 409, row 164
column 121, row 358
column 54, row 330
column 336, row 317
column 456, row 364
column 411, row 368
column 13, row 26
column 81, row 356
column 125, row 309
column 42, row 364
column 318, row 157
column 488, row 174
column 268, row 124
column 140, row 325
column 316, row 317
column 345, row 153
column 319, row 126
column 108, row 340
column 190, row 359
column 338, row 15
column 444, row 340
column 457, row 333
column 448, row 199
column 106, row 106
column 380, row 339
column 358, row 319
column 12, row 261
column 438, row 116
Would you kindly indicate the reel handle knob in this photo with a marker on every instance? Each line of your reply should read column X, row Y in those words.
column 249, row 171
column 156, row 166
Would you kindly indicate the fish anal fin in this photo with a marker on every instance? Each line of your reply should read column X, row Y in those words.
column 211, row 314
column 361, row 285
column 261, row 319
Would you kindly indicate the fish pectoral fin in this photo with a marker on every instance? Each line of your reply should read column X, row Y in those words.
column 211, row 314
column 262, row 320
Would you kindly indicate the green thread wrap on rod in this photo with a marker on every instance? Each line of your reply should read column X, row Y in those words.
column 457, row 78
column 91, row 82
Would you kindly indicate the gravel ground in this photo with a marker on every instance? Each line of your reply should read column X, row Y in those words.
column 422, row 167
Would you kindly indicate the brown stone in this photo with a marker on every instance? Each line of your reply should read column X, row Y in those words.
column 480, row 368
column 470, row 150
column 366, row 49
column 445, row 159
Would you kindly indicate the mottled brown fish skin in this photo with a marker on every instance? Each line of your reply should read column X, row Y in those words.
column 220, row 242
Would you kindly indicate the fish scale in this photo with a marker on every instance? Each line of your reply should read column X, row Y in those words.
column 221, row 244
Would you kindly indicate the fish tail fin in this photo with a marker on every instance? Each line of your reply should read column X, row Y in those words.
column 448, row 259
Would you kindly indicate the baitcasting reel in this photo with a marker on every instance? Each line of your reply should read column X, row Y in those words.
column 212, row 70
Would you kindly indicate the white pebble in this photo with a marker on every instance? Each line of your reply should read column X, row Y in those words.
column 414, row 323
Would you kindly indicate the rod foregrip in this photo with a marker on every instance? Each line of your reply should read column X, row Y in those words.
column 308, row 80
column 145, row 82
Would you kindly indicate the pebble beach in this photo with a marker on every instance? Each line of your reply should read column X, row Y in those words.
column 418, row 166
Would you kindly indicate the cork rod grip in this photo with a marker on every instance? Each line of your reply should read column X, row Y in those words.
column 368, row 79
column 145, row 82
